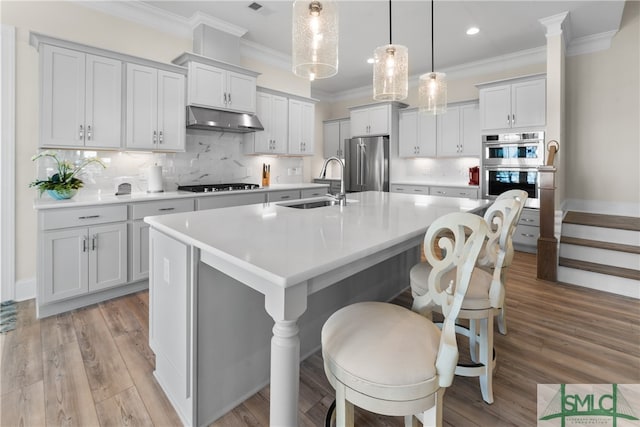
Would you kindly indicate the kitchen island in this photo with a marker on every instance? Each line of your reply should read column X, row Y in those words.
column 237, row 295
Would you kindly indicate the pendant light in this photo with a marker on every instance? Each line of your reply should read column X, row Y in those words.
column 315, row 39
column 433, row 86
column 390, row 70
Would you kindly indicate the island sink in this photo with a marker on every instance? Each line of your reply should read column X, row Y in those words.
column 311, row 205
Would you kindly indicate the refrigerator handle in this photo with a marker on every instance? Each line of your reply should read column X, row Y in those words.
column 362, row 163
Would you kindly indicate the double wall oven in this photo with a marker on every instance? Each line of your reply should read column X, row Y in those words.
column 510, row 161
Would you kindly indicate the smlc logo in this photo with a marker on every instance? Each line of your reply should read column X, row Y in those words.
column 588, row 404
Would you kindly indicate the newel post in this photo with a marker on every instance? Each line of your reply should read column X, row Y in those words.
column 547, row 242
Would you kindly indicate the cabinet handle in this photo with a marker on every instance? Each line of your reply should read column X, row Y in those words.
column 161, row 137
column 84, row 244
column 513, row 119
column 225, row 98
column 89, row 217
column 284, row 197
column 94, row 242
column 166, row 209
column 527, row 220
column 528, row 235
column 155, row 136
column 81, row 132
column 89, row 132
column 508, row 120
column 229, row 97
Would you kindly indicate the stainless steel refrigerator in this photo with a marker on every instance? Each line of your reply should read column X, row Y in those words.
column 367, row 164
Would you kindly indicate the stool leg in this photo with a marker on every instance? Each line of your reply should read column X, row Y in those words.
column 410, row 421
column 486, row 358
column 473, row 340
column 502, row 320
column 344, row 408
column 432, row 417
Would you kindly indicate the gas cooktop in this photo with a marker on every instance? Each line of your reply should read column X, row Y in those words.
column 210, row 188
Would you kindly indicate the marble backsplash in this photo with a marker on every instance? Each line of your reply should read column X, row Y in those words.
column 453, row 171
column 210, row 158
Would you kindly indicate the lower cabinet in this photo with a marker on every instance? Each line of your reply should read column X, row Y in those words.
column 525, row 238
column 82, row 260
column 468, row 192
column 411, row 189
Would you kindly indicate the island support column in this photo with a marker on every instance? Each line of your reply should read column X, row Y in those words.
column 285, row 306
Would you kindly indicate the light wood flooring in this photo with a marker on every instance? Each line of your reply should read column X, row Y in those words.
column 93, row 366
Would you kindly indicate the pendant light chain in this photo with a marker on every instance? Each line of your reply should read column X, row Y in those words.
column 432, row 42
column 390, row 21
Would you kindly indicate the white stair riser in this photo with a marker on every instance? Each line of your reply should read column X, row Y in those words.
column 602, row 282
column 613, row 235
column 600, row 256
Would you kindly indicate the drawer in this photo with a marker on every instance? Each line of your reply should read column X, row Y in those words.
column 526, row 235
column 163, row 207
column 530, row 217
column 471, row 193
column 314, row 192
column 277, row 196
column 411, row 189
column 77, row 217
column 227, row 200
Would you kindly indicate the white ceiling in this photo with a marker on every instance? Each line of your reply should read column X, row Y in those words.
column 506, row 27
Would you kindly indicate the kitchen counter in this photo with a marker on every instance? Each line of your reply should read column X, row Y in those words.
column 434, row 182
column 226, row 286
column 89, row 198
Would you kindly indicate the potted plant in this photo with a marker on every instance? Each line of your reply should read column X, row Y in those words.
column 63, row 184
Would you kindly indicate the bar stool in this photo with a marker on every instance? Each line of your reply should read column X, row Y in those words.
column 485, row 297
column 392, row 361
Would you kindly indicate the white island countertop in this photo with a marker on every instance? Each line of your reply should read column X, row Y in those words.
column 287, row 245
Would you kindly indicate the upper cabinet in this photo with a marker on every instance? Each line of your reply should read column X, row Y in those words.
column 334, row 133
column 513, row 104
column 301, row 127
column 417, row 134
column 155, row 107
column 216, row 84
column 81, row 99
column 273, row 112
column 371, row 120
column 459, row 131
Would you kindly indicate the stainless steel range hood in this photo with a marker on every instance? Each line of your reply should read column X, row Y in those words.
column 223, row 121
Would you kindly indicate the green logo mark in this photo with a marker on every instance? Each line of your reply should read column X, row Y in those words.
column 565, row 405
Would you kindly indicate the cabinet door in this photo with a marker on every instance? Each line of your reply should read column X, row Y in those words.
column 142, row 107
column 359, row 122
column 207, row 85
column 307, row 132
column 408, row 134
column 295, row 127
column 449, row 133
column 331, row 139
column 279, row 124
column 495, row 107
column 528, row 104
column 470, row 138
column 139, row 250
column 345, row 133
column 103, row 102
column 107, row 256
column 261, row 141
column 171, row 111
column 65, row 264
column 241, row 92
column 427, row 135
column 379, row 120
column 63, row 89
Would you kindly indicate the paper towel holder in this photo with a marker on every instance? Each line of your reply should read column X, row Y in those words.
column 154, row 179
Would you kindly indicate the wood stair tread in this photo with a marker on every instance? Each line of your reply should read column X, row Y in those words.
column 602, row 220
column 600, row 268
column 600, row 245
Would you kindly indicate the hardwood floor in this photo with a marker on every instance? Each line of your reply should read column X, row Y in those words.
column 93, row 366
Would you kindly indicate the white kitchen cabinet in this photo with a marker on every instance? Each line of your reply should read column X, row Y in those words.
column 282, row 195
column 459, row 131
column 468, row 192
column 314, row 192
column 81, row 99
column 525, row 237
column 371, row 120
column 410, row 189
column 82, row 260
column 514, row 104
column 417, row 134
column 334, row 133
column 301, row 127
column 155, row 118
column 227, row 200
column 215, row 87
column 139, row 232
column 273, row 112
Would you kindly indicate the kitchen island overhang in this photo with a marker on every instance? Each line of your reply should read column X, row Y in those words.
column 289, row 259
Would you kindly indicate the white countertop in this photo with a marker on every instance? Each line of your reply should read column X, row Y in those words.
column 287, row 246
column 88, row 198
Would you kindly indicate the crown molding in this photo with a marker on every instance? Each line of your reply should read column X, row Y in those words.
column 591, row 44
column 227, row 27
column 555, row 23
column 249, row 49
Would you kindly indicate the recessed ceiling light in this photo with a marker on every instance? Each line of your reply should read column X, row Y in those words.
column 473, row 31
column 255, row 6
column 370, row 61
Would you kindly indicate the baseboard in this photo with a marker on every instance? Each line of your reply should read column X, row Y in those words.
column 602, row 207
column 25, row 289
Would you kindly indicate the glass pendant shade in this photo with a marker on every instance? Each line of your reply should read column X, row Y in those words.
column 432, row 93
column 315, row 39
column 390, row 73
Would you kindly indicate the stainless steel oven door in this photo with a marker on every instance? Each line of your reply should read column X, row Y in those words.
column 498, row 179
column 514, row 154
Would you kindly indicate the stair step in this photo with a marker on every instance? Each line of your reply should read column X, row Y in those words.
column 600, row 245
column 602, row 220
column 589, row 279
column 600, row 268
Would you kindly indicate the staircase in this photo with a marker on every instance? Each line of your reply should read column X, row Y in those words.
column 601, row 252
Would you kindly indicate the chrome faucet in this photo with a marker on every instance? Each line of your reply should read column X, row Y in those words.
column 342, row 196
